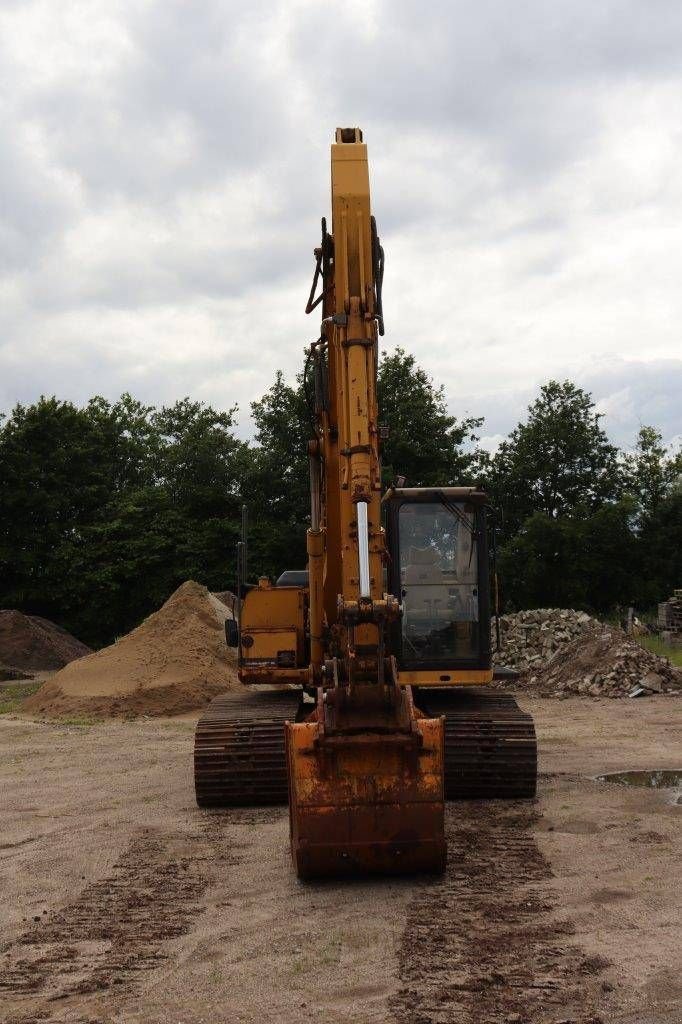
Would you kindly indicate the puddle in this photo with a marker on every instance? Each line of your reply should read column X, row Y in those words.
column 662, row 778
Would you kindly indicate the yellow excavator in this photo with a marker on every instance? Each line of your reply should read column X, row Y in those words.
column 365, row 704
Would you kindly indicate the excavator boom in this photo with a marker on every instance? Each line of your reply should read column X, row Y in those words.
column 365, row 769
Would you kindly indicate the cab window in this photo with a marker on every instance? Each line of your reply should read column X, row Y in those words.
column 439, row 581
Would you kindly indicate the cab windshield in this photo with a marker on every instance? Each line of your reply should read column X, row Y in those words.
column 439, row 581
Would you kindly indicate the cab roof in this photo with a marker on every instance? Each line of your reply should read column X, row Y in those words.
column 473, row 494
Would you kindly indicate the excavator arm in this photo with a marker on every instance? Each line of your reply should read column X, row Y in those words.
column 345, row 467
column 366, row 768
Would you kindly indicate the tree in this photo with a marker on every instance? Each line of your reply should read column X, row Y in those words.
column 660, row 541
column 559, row 462
column 571, row 561
column 198, row 459
column 57, row 473
column 651, row 472
column 276, row 485
column 278, row 478
column 129, row 437
column 425, row 444
column 541, row 566
column 107, row 508
column 121, row 567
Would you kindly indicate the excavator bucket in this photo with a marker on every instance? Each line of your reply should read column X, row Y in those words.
column 367, row 802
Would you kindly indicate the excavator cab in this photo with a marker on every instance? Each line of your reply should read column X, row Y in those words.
column 438, row 567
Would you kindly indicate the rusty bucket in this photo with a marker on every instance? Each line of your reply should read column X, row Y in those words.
column 366, row 802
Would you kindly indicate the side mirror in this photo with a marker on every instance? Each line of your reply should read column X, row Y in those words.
column 231, row 633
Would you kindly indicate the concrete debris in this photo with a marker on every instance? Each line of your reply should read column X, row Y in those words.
column 560, row 652
column 530, row 639
column 653, row 681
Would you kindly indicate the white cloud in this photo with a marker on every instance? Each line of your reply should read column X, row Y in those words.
column 491, row 442
column 164, row 166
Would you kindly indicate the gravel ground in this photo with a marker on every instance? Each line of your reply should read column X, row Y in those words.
column 124, row 903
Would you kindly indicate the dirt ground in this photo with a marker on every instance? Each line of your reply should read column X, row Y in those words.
column 122, row 902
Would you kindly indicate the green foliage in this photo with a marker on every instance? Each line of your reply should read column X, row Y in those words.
column 59, row 465
column 660, row 540
column 651, row 473
column 559, row 462
column 587, row 562
column 277, row 478
column 104, row 510
column 12, row 697
column 426, row 444
column 197, row 458
column 107, row 508
column 656, row 645
column 584, row 527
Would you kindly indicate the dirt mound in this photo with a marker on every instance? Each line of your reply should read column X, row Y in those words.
column 31, row 642
column 227, row 598
column 175, row 661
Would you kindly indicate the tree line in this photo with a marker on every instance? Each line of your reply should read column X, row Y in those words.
column 106, row 508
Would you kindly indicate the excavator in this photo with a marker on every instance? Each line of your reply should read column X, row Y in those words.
column 365, row 702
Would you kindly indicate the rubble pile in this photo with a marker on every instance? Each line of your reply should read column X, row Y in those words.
column 560, row 652
column 608, row 664
column 530, row 639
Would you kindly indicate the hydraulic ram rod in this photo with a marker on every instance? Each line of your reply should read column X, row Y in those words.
column 363, row 549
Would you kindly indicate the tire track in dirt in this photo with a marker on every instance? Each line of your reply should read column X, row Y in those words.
column 485, row 944
column 118, row 927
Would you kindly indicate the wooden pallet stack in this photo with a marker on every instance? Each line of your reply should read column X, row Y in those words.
column 670, row 619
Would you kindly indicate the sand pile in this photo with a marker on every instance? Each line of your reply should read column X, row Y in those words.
column 31, row 642
column 227, row 598
column 176, row 660
column 560, row 652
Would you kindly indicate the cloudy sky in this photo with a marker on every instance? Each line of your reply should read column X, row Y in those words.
column 164, row 165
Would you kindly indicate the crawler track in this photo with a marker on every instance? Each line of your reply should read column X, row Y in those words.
column 239, row 749
column 239, row 759
column 490, row 744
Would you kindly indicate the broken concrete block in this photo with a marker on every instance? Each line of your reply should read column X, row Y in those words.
column 652, row 681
